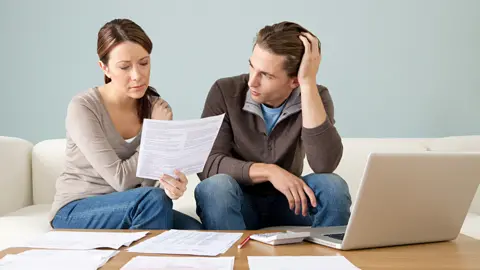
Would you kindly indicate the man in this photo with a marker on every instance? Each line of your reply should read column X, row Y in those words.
column 273, row 117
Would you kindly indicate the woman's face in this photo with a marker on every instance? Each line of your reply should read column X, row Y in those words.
column 129, row 68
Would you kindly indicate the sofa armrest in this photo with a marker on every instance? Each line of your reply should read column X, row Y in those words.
column 15, row 174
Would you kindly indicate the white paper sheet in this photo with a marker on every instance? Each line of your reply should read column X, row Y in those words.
column 299, row 262
column 188, row 243
column 84, row 240
column 57, row 259
column 169, row 145
column 179, row 263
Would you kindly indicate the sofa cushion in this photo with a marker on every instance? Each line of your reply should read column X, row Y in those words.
column 48, row 162
column 455, row 143
column 38, row 210
column 459, row 144
column 15, row 174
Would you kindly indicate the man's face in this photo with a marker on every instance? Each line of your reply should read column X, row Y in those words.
column 269, row 83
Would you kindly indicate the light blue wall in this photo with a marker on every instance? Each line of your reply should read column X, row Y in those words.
column 394, row 68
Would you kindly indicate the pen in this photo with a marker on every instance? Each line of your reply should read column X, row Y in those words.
column 244, row 242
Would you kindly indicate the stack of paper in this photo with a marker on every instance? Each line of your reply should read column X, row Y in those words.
column 172, row 263
column 84, row 240
column 57, row 259
column 188, row 243
column 299, row 262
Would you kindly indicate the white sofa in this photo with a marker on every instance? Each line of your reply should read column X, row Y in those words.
column 28, row 173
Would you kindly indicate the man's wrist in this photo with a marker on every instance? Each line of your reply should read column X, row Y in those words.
column 268, row 169
column 308, row 86
column 261, row 172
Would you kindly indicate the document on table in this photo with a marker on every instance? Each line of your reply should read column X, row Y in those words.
column 57, row 259
column 179, row 263
column 299, row 262
column 188, row 243
column 169, row 145
column 84, row 240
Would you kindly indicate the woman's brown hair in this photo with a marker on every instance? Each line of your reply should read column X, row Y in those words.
column 116, row 32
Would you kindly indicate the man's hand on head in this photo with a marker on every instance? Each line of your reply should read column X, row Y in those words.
column 307, row 73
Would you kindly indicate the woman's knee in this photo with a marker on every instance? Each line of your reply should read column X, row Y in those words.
column 155, row 197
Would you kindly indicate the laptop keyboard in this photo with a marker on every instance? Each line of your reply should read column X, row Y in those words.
column 338, row 236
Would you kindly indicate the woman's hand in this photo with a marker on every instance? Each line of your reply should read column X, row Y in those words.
column 161, row 110
column 174, row 187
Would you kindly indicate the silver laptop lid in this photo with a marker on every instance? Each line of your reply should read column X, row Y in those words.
column 407, row 198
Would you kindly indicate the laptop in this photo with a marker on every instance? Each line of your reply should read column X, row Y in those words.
column 407, row 198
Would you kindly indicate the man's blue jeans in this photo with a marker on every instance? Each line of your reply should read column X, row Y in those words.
column 223, row 205
column 146, row 208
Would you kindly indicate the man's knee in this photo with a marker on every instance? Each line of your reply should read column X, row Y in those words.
column 331, row 186
column 220, row 185
column 219, row 203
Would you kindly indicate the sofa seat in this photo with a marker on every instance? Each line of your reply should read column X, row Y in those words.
column 23, row 225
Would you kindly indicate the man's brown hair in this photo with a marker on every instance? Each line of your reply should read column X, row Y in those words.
column 283, row 39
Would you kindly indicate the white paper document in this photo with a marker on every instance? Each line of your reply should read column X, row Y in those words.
column 188, row 243
column 169, row 145
column 299, row 262
column 84, row 240
column 57, row 259
column 179, row 263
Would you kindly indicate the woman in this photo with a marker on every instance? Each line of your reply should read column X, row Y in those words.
column 99, row 188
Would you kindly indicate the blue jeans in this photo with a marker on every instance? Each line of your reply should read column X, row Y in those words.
column 146, row 208
column 223, row 205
